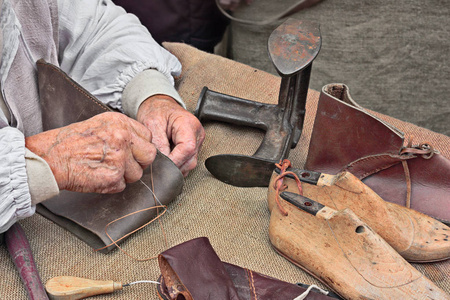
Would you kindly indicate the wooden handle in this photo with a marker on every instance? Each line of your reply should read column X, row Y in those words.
column 72, row 288
column 20, row 251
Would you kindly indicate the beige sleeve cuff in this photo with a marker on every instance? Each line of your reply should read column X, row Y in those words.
column 147, row 83
column 41, row 182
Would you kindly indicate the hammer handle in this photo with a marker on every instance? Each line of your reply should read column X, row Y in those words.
column 226, row 108
column 20, row 252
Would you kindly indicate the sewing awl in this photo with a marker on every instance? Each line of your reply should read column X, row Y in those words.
column 72, row 288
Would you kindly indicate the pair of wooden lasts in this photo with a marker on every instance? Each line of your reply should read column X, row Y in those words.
column 340, row 231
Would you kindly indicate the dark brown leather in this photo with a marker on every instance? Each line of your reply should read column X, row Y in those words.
column 347, row 137
column 86, row 215
column 192, row 270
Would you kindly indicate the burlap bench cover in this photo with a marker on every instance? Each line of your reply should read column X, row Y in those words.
column 234, row 219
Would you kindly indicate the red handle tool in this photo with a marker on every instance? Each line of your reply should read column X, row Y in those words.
column 20, row 251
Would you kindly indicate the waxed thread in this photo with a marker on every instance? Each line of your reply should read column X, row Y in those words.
column 155, row 198
column 158, row 216
column 426, row 150
column 308, row 290
column 141, row 281
column 278, row 185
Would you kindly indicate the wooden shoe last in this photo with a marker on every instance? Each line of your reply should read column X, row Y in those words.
column 415, row 236
column 344, row 253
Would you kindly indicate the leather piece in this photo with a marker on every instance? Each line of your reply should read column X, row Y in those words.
column 346, row 137
column 199, row 271
column 65, row 102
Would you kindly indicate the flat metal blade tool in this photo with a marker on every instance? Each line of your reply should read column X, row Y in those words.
column 292, row 48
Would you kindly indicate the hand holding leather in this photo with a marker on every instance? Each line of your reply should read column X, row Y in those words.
column 170, row 123
column 99, row 155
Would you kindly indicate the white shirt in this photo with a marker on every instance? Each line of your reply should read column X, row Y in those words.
column 111, row 55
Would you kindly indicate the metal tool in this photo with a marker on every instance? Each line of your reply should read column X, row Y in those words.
column 20, row 252
column 292, row 48
column 302, row 202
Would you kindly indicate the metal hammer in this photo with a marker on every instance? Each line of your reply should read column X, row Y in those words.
column 292, row 48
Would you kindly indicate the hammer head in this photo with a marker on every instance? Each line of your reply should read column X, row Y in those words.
column 241, row 170
column 294, row 45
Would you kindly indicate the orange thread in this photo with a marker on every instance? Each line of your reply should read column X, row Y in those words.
column 157, row 210
column 158, row 216
column 114, row 242
column 279, row 186
column 253, row 285
column 247, row 272
column 282, row 165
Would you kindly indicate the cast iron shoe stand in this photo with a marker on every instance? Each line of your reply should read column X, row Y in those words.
column 292, row 48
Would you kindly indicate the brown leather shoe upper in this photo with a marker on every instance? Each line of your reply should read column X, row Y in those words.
column 347, row 137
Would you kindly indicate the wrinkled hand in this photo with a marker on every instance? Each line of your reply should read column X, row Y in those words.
column 172, row 124
column 232, row 4
column 98, row 155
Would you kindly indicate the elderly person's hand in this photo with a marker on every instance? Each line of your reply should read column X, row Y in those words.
column 176, row 132
column 232, row 4
column 98, row 155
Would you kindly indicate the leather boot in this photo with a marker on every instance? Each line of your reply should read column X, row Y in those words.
column 415, row 236
column 346, row 137
column 343, row 252
column 192, row 270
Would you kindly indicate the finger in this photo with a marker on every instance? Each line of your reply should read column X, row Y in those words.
column 140, row 130
column 142, row 150
column 189, row 165
column 187, row 141
column 183, row 151
column 161, row 141
column 108, row 183
column 117, row 188
column 133, row 170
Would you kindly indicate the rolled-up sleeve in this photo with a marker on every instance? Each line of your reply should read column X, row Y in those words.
column 145, row 84
column 15, row 200
column 103, row 48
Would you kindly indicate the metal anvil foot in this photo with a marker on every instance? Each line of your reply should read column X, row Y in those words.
column 292, row 48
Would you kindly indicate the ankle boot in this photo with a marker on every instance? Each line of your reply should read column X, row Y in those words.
column 343, row 252
column 346, row 137
column 415, row 236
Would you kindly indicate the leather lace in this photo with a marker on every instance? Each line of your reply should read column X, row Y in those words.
column 279, row 186
column 426, row 150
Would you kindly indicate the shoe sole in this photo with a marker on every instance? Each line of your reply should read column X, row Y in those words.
column 306, row 270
